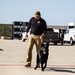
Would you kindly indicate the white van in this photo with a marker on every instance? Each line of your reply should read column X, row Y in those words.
column 69, row 36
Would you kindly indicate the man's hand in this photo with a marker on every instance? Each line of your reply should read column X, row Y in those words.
column 26, row 35
column 42, row 36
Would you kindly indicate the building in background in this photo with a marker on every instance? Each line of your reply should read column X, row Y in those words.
column 18, row 28
column 71, row 25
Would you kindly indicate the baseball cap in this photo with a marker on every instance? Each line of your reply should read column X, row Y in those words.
column 38, row 13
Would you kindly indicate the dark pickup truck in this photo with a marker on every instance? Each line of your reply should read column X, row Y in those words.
column 51, row 36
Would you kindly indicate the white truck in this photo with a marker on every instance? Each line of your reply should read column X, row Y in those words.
column 69, row 36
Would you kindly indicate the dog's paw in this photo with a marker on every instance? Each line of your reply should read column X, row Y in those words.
column 42, row 69
column 35, row 68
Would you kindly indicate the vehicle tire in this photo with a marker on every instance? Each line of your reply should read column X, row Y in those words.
column 71, row 41
column 61, row 43
column 55, row 43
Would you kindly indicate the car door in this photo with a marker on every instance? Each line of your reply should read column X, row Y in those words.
column 66, row 36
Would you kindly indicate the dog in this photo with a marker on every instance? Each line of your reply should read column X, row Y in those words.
column 42, row 56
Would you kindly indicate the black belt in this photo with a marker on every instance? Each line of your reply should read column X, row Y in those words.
column 35, row 34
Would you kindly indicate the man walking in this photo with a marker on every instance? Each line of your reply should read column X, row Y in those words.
column 38, row 29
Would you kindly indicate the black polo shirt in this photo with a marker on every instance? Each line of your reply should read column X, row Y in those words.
column 37, row 27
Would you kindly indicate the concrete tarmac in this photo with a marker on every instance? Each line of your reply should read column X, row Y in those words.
column 13, row 55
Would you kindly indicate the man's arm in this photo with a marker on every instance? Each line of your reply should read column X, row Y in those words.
column 28, row 28
column 45, row 29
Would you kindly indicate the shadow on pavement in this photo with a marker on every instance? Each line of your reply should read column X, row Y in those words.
column 61, row 45
column 1, row 49
column 59, row 69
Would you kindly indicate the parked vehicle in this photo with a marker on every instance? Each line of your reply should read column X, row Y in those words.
column 69, row 36
column 52, row 35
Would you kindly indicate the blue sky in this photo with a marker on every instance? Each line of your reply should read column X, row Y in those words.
column 55, row 12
